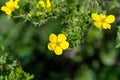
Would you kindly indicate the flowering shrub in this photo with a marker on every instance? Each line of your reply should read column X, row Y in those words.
column 77, row 23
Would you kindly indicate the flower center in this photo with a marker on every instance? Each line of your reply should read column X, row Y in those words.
column 12, row 8
column 102, row 20
column 58, row 43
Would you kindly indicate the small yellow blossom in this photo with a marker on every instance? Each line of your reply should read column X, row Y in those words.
column 102, row 20
column 41, row 3
column 10, row 6
column 48, row 6
column 58, row 43
column 45, row 4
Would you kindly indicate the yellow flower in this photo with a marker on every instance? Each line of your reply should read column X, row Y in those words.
column 41, row 3
column 10, row 6
column 102, row 20
column 58, row 43
column 46, row 5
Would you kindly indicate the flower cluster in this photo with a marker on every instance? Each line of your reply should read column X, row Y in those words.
column 102, row 20
column 10, row 6
column 72, row 15
column 45, row 4
column 58, row 43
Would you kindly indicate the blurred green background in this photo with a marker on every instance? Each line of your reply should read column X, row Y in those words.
column 95, row 59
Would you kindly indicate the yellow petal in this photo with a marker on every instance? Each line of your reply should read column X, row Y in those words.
column 53, row 38
column 106, row 26
column 17, row 0
column 6, row 10
column 48, row 6
column 96, row 17
column 16, row 4
column 110, row 19
column 102, row 16
column 51, row 46
column 41, row 3
column 64, row 45
column 98, row 24
column 8, row 13
column 10, row 4
column 61, row 37
column 58, row 50
column 48, row 3
column 48, row 9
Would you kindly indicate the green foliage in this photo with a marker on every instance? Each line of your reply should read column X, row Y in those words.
column 78, row 20
column 92, row 54
column 87, row 74
column 74, row 35
column 10, row 69
column 118, row 34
